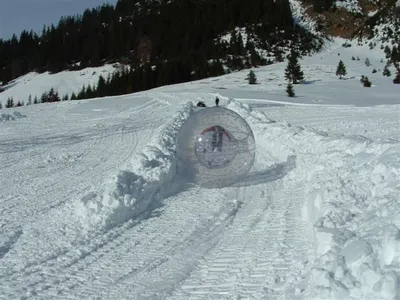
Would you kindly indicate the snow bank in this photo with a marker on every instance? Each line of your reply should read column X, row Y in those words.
column 11, row 117
column 352, row 200
column 140, row 187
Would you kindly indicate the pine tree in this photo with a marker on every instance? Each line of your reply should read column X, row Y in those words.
column 73, row 96
column 386, row 71
column 82, row 93
column 366, row 82
column 387, row 51
column 341, row 69
column 293, row 72
column 101, row 87
column 29, row 100
column 290, row 90
column 44, row 98
column 251, row 77
column 10, row 102
column 19, row 103
column 35, row 101
column 396, row 79
column 53, row 96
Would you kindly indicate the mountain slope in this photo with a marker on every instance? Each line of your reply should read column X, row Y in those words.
column 92, row 206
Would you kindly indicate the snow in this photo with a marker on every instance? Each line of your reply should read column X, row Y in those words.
column 65, row 82
column 91, row 206
column 352, row 6
column 301, row 18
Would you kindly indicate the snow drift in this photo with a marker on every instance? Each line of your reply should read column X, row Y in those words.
column 352, row 186
column 139, row 188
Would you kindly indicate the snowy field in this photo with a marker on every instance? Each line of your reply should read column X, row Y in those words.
column 91, row 206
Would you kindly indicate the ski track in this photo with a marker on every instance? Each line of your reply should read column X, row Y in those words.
column 244, row 241
column 240, row 242
column 262, row 252
column 88, row 158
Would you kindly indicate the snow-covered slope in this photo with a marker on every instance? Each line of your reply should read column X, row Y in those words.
column 65, row 82
column 91, row 206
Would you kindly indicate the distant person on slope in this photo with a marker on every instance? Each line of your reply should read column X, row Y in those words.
column 201, row 104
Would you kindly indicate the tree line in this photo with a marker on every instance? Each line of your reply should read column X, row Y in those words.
column 138, row 32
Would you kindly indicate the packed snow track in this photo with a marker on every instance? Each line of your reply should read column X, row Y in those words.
column 92, row 208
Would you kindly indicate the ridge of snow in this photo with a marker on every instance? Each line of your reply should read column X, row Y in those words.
column 146, row 180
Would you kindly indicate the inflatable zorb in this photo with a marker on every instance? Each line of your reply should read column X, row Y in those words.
column 215, row 147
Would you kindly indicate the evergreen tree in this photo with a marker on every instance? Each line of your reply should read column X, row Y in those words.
column 73, row 96
column 394, row 56
column 29, row 100
column 10, row 102
column 53, row 96
column 1, row 105
column 387, row 51
column 341, row 69
column 386, row 71
column 367, row 82
column 44, row 98
column 19, row 103
column 35, row 101
column 293, row 72
column 101, row 88
column 290, row 90
column 396, row 79
column 251, row 77
column 82, row 93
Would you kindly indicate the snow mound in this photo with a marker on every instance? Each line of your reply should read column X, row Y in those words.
column 139, row 189
column 352, row 208
column 11, row 117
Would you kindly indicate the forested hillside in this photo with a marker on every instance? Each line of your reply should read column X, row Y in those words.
column 163, row 42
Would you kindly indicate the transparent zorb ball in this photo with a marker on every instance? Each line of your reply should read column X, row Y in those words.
column 215, row 147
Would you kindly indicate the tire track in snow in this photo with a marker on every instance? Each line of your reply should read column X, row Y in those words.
column 105, row 144
column 145, row 253
column 42, row 274
column 263, row 254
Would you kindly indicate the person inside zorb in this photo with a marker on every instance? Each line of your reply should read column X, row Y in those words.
column 218, row 133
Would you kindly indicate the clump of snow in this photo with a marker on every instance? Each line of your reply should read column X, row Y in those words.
column 11, row 117
column 350, row 5
column 352, row 201
column 146, row 180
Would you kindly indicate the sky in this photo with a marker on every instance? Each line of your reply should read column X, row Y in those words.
column 17, row 15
